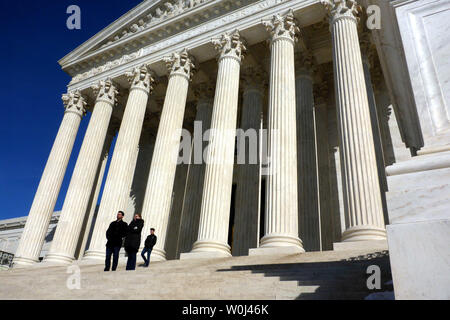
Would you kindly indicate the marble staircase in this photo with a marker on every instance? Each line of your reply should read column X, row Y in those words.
column 314, row 275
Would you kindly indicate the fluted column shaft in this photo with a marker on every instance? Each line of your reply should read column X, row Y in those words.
column 326, row 197
column 158, row 194
column 376, row 132
column 38, row 220
column 194, row 187
column 96, row 192
column 65, row 240
column 308, row 202
column 216, row 199
column 120, row 175
column 361, row 189
column 142, row 171
column 281, row 217
column 246, row 220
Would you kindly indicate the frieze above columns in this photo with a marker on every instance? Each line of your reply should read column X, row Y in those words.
column 92, row 67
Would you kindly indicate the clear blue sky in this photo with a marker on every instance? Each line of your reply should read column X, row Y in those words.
column 34, row 38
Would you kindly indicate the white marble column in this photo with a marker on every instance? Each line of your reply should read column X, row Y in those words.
column 120, row 175
column 190, row 217
column 143, row 164
column 308, row 201
column 216, row 199
column 281, row 216
column 65, row 240
column 367, row 55
column 158, row 194
column 327, row 221
column 362, row 197
column 38, row 220
column 248, row 189
column 92, row 208
column 174, row 224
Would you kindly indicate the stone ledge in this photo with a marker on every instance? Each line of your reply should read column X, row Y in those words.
column 274, row 251
column 361, row 245
column 202, row 255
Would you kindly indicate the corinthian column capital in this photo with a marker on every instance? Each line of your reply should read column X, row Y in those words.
column 282, row 27
column 338, row 9
column 106, row 91
column 74, row 102
column 180, row 63
column 141, row 78
column 230, row 45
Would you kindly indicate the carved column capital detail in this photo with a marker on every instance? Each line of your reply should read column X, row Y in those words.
column 106, row 91
column 75, row 102
column 230, row 45
column 180, row 63
column 282, row 27
column 141, row 78
column 342, row 9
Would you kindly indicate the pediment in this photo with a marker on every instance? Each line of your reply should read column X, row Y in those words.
column 146, row 40
column 116, row 27
column 147, row 23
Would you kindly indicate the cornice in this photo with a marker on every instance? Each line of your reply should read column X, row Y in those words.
column 173, row 23
column 241, row 19
column 19, row 223
column 105, row 32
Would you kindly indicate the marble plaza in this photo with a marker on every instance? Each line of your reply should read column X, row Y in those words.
column 358, row 143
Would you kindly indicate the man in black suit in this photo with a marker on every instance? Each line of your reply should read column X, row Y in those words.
column 116, row 232
column 149, row 244
column 133, row 240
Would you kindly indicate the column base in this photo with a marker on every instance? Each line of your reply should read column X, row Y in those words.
column 206, row 249
column 157, row 254
column 274, row 240
column 22, row 262
column 364, row 233
column 58, row 259
column 93, row 255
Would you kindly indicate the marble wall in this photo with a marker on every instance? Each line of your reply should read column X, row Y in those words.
column 419, row 186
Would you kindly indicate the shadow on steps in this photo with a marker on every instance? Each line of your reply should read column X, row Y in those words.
column 337, row 280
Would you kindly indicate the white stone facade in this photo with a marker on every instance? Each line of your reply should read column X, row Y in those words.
column 358, row 133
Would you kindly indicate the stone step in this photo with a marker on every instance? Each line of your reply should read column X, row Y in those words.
column 324, row 275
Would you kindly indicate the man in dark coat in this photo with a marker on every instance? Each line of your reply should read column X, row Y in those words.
column 133, row 240
column 149, row 243
column 116, row 232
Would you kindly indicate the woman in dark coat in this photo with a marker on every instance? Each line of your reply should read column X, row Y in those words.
column 133, row 240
